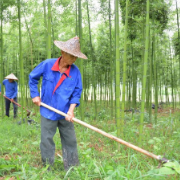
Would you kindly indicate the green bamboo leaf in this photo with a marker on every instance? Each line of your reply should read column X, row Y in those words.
column 174, row 165
column 7, row 167
column 165, row 170
column 109, row 167
column 151, row 141
column 110, row 172
column 156, row 148
column 157, row 139
column 35, row 143
column 96, row 170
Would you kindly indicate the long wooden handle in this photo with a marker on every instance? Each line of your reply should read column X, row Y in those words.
column 107, row 135
column 17, row 104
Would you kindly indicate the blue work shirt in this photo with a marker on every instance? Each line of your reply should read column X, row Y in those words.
column 10, row 89
column 57, row 90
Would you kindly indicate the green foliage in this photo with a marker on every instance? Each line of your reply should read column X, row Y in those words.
column 156, row 142
column 7, row 3
column 174, row 165
column 176, row 44
column 100, row 157
column 7, row 166
column 169, row 168
column 64, row 27
column 137, row 11
column 103, row 115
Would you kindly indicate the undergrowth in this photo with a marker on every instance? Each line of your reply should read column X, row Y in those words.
column 100, row 157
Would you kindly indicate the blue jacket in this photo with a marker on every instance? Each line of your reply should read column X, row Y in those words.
column 57, row 90
column 10, row 89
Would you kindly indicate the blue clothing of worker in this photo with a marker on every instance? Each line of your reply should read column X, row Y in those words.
column 0, row 87
column 58, row 90
column 10, row 89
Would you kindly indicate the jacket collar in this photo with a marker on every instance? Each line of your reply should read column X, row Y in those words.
column 56, row 67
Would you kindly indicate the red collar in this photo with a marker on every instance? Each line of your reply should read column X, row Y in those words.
column 56, row 67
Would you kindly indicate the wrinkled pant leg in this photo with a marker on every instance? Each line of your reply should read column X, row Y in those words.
column 69, row 143
column 15, row 107
column 7, row 105
column 47, row 145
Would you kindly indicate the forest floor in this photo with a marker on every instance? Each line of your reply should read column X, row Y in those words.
column 100, row 157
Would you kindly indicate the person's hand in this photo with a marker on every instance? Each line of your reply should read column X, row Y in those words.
column 70, row 116
column 0, row 93
column 12, row 100
column 37, row 100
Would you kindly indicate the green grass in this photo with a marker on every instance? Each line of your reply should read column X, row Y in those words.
column 100, row 157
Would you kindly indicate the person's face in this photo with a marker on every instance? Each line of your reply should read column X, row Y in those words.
column 11, row 80
column 69, row 59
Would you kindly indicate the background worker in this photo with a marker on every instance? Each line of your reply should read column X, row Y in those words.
column 11, row 90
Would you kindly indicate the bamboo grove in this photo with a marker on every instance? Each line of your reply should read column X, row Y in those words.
column 133, row 50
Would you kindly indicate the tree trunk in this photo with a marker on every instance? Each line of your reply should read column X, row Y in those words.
column 178, row 39
column 1, row 63
column 22, row 84
column 124, row 67
column 117, row 91
column 81, row 61
column 144, row 74
column 93, row 65
column 49, row 30
column 46, row 27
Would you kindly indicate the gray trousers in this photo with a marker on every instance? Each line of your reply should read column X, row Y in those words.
column 68, row 141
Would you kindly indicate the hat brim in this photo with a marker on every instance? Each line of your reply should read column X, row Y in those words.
column 61, row 45
column 11, row 76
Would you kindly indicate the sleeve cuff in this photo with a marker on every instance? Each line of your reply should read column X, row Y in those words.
column 33, row 95
column 75, row 101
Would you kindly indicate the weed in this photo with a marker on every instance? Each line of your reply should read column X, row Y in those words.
column 100, row 157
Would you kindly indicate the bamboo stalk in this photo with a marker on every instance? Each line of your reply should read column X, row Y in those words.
column 124, row 67
column 1, row 57
column 108, row 135
column 144, row 76
column 21, row 63
column 117, row 73
column 92, row 64
column 81, row 66
column 49, row 31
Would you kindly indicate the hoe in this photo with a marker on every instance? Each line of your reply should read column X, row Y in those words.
column 28, row 112
column 159, row 158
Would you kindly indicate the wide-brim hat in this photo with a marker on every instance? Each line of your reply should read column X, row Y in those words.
column 11, row 76
column 72, row 46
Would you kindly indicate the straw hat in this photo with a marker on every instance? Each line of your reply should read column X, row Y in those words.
column 72, row 46
column 11, row 76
